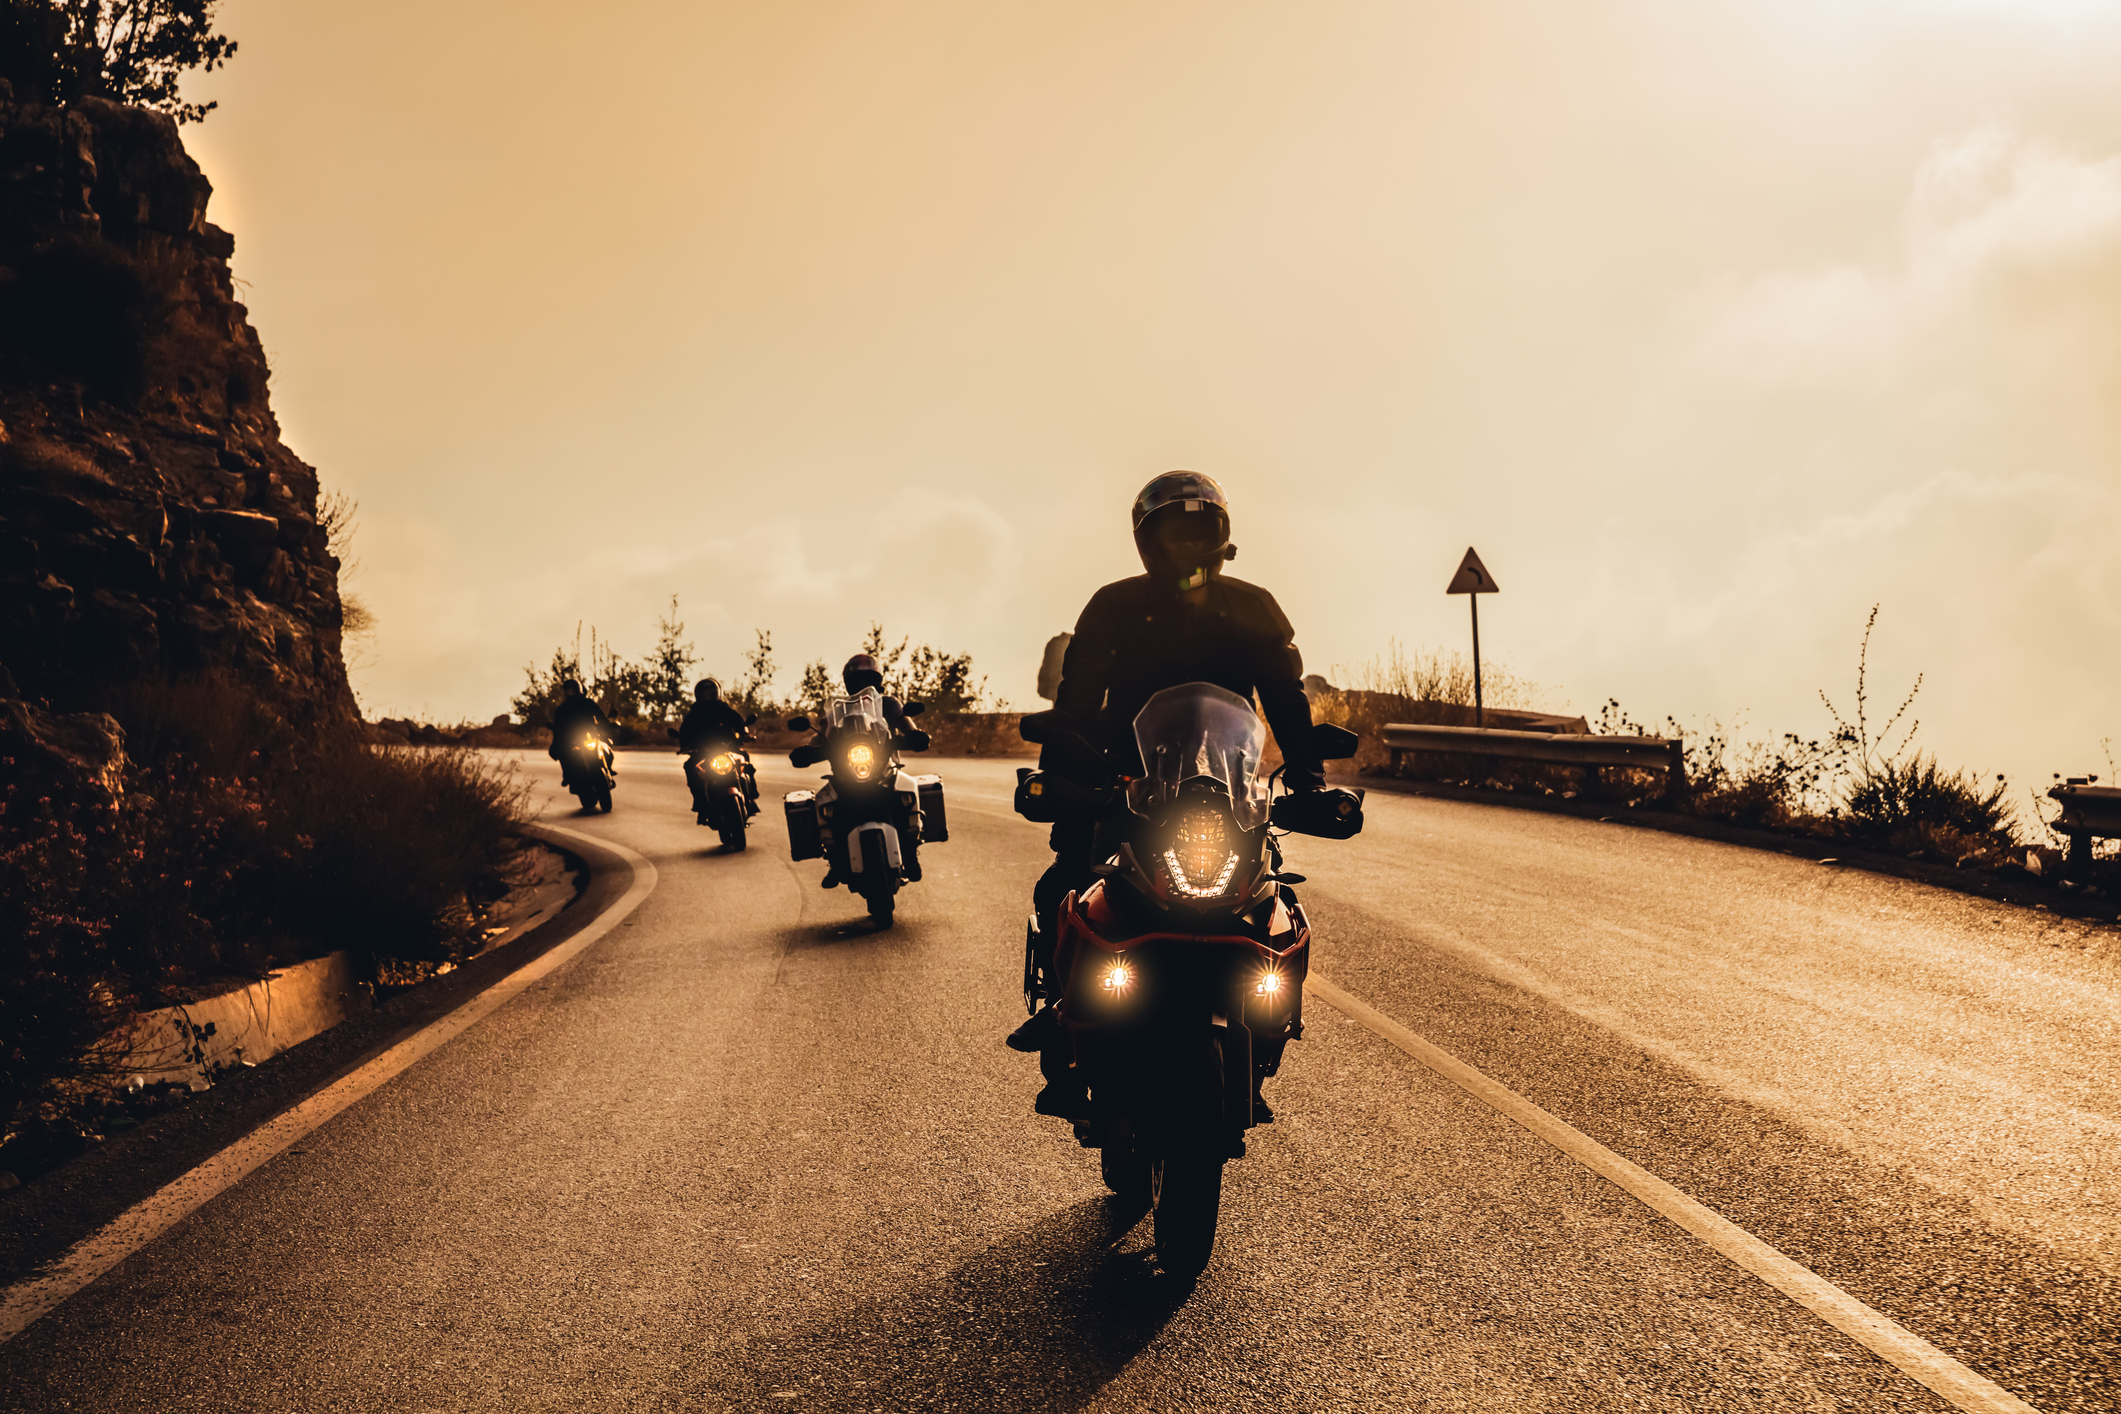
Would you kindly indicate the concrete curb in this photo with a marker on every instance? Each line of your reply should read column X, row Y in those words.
column 192, row 1042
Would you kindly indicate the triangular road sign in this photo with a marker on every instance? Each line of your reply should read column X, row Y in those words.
column 1472, row 577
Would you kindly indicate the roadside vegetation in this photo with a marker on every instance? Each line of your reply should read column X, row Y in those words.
column 232, row 845
column 645, row 696
column 1863, row 782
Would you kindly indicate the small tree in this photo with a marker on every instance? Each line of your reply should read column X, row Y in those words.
column 753, row 692
column 666, row 673
column 819, row 687
column 941, row 680
column 132, row 51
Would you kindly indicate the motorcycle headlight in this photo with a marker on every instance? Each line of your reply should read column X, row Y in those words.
column 1200, row 861
column 861, row 760
column 722, row 764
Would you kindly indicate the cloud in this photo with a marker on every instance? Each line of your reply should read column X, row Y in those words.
column 1933, row 426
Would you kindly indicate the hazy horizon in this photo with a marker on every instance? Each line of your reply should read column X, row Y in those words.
column 1710, row 325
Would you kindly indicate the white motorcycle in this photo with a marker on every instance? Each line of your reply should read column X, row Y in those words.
column 871, row 817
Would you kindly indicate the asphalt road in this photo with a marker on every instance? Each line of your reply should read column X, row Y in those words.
column 744, row 1153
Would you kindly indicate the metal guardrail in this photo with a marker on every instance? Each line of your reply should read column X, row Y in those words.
column 1651, row 753
column 2087, row 810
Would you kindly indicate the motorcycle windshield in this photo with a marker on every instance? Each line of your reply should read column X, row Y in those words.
column 864, row 711
column 1199, row 729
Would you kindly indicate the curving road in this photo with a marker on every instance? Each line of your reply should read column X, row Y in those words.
column 742, row 1153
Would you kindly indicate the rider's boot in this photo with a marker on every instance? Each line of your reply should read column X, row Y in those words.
column 1041, row 1031
column 1066, row 1095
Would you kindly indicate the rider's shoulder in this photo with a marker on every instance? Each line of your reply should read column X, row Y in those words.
column 1243, row 593
column 1120, row 595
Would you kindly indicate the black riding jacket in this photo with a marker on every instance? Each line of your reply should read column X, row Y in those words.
column 708, row 722
column 574, row 716
column 1137, row 637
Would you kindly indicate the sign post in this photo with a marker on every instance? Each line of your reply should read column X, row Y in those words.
column 1474, row 580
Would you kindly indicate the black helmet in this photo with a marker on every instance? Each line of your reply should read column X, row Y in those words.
column 707, row 690
column 1182, row 528
column 570, row 688
column 861, row 671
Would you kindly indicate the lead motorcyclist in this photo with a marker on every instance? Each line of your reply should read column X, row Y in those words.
column 1182, row 621
column 710, row 720
column 861, row 671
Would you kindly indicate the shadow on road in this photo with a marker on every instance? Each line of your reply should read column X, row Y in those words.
column 848, row 930
column 1041, row 1321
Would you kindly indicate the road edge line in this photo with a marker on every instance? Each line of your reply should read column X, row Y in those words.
column 26, row 1302
column 1884, row 1337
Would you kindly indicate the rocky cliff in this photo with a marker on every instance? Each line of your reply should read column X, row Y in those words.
column 151, row 522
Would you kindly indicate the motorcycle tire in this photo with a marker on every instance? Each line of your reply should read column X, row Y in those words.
column 733, row 839
column 1186, row 1193
column 604, row 800
column 879, row 883
column 1125, row 1171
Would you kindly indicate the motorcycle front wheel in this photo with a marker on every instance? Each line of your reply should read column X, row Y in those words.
column 1186, row 1193
column 733, row 838
column 603, row 799
column 1125, row 1171
column 880, row 882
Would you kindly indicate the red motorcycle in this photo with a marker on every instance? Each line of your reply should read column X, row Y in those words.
column 1179, row 973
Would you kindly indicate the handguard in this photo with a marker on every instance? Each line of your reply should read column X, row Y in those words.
column 1045, row 798
column 1334, row 813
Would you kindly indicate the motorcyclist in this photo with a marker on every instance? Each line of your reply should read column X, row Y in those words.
column 861, row 671
column 1182, row 621
column 710, row 720
column 575, row 717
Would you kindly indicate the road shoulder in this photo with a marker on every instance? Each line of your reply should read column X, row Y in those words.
column 40, row 1221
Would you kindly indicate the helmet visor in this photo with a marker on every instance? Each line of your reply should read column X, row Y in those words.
column 1183, row 539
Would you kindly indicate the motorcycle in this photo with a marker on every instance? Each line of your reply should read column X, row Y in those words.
column 589, row 769
column 871, row 817
column 1178, row 973
column 721, row 777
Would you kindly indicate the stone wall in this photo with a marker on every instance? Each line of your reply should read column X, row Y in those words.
column 151, row 521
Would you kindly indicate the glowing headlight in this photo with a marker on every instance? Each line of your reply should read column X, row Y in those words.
column 722, row 764
column 861, row 759
column 1118, row 978
column 1200, row 860
column 1269, row 985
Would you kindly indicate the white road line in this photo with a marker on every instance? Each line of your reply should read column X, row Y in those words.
column 88, row 1259
column 1889, row 1340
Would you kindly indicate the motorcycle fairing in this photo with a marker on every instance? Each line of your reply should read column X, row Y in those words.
column 892, row 855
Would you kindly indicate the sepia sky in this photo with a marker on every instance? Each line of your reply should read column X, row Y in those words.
column 1709, row 323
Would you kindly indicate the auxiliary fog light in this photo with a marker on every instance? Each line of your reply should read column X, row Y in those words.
column 722, row 765
column 861, row 760
column 1118, row 978
column 1269, row 985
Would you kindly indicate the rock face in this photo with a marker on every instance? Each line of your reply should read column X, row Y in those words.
column 151, row 522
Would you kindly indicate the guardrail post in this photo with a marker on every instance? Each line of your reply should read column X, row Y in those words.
column 1675, row 782
column 2080, row 852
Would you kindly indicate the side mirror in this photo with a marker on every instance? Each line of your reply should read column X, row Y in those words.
column 748, row 720
column 914, row 709
column 799, row 724
column 1334, row 743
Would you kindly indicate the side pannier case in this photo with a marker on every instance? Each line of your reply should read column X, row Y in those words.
column 935, row 823
column 803, row 842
